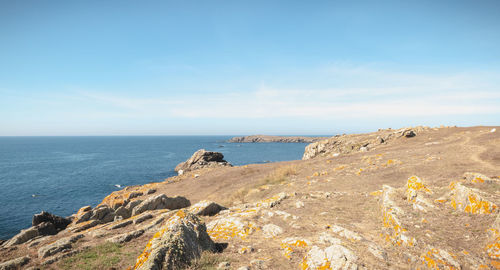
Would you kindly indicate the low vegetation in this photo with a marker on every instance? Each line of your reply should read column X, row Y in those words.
column 105, row 256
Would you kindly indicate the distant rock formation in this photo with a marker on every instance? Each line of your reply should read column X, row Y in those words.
column 280, row 139
column 344, row 144
column 202, row 159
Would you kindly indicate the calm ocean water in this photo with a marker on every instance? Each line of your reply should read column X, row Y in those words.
column 62, row 174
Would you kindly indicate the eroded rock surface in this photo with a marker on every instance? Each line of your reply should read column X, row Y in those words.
column 203, row 159
column 181, row 240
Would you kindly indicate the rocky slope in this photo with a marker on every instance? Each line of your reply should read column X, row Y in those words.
column 280, row 139
column 427, row 200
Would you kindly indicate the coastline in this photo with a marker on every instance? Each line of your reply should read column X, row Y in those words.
column 311, row 186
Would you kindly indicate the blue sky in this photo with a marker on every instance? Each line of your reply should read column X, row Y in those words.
column 246, row 67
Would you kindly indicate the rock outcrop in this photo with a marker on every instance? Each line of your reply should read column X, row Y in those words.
column 14, row 263
column 181, row 240
column 345, row 144
column 161, row 202
column 60, row 223
column 280, row 139
column 202, row 159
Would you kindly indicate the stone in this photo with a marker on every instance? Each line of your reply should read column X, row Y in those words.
column 244, row 268
column 14, row 263
column 161, row 202
column 41, row 229
column 121, row 224
column 333, row 257
column 473, row 177
column 346, row 233
column 150, row 191
column 142, row 218
column 271, row 230
column 299, row 204
column 85, row 225
column 122, row 212
column 181, row 240
column 60, row 223
column 206, row 208
column 202, row 159
column 103, row 214
column 60, row 245
column 469, row 200
column 224, row 265
column 125, row 237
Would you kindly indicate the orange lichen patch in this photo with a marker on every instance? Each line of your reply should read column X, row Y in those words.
column 493, row 249
column 230, row 227
column 495, row 264
column 439, row 259
column 288, row 244
column 414, row 185
column 376, row 193
column 325, row 266
column 476, row 177
column 469, row 201
column 324, row 173
column 390, row 211
column 143, row 257
column 315, row 174
column 359, row 171
column 339, row 168
column 270, row 202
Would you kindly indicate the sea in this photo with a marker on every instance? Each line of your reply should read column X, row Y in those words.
column 62, row 174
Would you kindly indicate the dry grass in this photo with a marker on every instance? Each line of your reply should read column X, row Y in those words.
column 105, row 256
column 277, row 176
column 208, row 261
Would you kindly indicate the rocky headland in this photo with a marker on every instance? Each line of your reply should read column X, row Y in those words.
column 413, row 198
column 280, row 139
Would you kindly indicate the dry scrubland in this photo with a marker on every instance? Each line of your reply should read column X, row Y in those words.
column 419, row 198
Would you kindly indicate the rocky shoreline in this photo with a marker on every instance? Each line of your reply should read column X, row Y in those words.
column 279, row 139
column 409, row 198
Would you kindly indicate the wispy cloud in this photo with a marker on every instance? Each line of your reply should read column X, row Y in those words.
column 364, row 92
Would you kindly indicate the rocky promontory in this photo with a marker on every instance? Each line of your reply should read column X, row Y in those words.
column 202, row 159
column 270, row 138
column 413, row 198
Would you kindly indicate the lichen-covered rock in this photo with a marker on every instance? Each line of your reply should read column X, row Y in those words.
column 439, row 259
column 203, row 159
column 14, row 263
column 161, row 202
column 60, row 245
column 103, row 214
column 122, row 212
column 473, row 177
column 125, row 237
column 206, row 208
column 181, row 240
column 332, row 257
column 83, row 214
column 225, row 228
column 142, row 218
column 345, row 233
column 271, row 230
column 415, row 190
column 391, row 218
column 468, row 200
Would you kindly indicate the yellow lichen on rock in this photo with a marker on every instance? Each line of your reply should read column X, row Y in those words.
column 289, row 243
column 469, row 201
column 390, row 212
column 413, row 186
column 474, row 178
column 439, row 259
